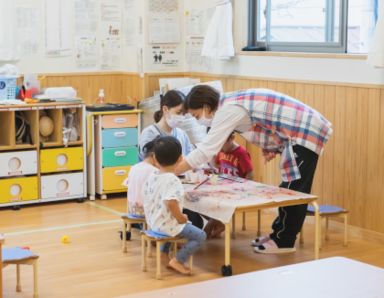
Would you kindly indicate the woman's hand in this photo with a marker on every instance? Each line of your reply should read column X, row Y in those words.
column 268, row 155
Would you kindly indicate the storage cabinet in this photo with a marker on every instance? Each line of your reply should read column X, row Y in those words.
column 114, row 142
column 42, row 153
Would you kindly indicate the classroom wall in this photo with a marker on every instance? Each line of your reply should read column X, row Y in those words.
column 347, row 91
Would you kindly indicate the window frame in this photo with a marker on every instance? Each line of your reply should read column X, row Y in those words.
column 254, row 43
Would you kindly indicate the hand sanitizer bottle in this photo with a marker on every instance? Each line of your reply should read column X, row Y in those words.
column 100, row 99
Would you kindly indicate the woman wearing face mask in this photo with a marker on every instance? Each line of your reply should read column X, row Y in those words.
column 277, row 123
column 167, row 120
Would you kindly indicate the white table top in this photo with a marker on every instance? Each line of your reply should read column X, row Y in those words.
column 326, row 278
column 220, row 200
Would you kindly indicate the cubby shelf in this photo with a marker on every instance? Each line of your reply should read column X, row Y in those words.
column 40, row 168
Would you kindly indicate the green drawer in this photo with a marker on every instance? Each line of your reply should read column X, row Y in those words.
column 122, row 156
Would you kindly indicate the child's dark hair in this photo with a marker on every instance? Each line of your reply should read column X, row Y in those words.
column 200, row 96
column 171, row 99
column 149, row 147
column 167, row 150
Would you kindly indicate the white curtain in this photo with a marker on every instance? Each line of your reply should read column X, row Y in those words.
column 218, row 41
column 376, row 52
column 9, row 48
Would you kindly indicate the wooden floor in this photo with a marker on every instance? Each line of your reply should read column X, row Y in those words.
column 92, row 265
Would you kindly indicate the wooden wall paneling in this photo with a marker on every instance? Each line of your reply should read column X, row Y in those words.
column 329, row 152
column 350, row 154
column 373, row 186
column 360, row 199
column 339, row 132
column 380, row 158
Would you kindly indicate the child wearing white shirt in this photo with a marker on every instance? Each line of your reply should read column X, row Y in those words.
column 163, row 203
column 137, row 176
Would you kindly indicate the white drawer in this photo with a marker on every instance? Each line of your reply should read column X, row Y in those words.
column 18, row 163
column 62, row 186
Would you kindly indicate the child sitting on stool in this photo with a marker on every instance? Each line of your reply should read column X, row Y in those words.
column 163, row 203
column 137, row 176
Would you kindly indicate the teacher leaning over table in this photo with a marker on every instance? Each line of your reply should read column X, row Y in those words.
column 277, row 123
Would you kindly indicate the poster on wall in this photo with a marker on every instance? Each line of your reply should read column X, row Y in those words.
column 28, row 24
column 111, row 20
column 86, row 26
column 164, row 56
column 193, row 47
column 58, row 39
column 130, row 23
column 163, row 21
column 195, row 22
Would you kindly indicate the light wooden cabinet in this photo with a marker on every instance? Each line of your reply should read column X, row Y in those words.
column 42, row 153
column 114, row 149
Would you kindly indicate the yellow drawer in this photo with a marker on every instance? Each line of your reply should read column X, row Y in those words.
column 61, row 159
column 18, row 189
column 114, row 177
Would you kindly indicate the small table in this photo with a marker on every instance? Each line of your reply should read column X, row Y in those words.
column 331, row 277
column 1, row 265
column 221, row 200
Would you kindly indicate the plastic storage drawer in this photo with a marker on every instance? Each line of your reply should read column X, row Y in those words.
column 18, row 189
column 61, row 159
column 62, row 186
column 18, row 163
column 119, row 137
column 116, row 157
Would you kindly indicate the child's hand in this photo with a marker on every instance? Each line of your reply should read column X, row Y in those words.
column 186, row 217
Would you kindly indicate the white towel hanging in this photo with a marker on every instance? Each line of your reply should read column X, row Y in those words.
column 376, row 51
column 218, row 41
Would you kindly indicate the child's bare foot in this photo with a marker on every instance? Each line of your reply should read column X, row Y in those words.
column 165, row 258
column 176, row 265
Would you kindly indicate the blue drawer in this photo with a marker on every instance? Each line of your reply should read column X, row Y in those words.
column 115, row 157
column 119, row 137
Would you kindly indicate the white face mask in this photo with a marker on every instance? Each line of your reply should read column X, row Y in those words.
column 204, row 120
column 174, row 120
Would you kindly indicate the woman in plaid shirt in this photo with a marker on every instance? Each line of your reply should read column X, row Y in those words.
column 277, row 123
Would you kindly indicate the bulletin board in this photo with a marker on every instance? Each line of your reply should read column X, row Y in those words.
column 55, row 36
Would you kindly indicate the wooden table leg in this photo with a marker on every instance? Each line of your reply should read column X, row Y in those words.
column 226, row 269
column 317, row 229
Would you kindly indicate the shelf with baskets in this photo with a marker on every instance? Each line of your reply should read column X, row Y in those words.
column 42, row 153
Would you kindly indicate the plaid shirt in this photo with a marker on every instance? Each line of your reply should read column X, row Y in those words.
column 279, row 122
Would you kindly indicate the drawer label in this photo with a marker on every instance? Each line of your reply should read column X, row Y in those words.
column 15, row 173
column 120, row 120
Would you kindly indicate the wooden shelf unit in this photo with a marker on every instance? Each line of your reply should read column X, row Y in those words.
column 41, row 169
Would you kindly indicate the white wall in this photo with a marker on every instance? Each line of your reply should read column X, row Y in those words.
column 292, row 68
column 40, row 63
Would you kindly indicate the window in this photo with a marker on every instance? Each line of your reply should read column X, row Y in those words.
column 334, row 26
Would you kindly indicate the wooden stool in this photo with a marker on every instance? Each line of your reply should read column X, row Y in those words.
column 147, row 237
column 129, row 220
column 327, row 211
column 19, row 256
